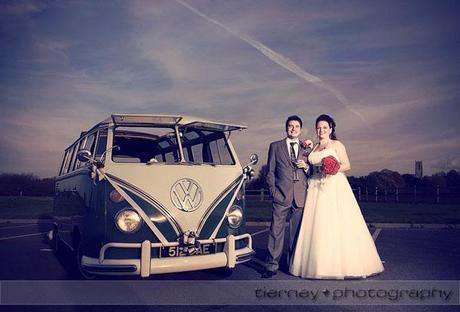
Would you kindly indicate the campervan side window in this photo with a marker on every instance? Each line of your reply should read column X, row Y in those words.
column 101, row 144
column 86, row 143
column 74, row 157
column 70, row 156
column 64, row 162
column 90, row 142
column 78, row 163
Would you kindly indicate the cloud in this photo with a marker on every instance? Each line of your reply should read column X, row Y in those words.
column 21, row 7
column 49, row 50
column 279, row 59
column 74, row 64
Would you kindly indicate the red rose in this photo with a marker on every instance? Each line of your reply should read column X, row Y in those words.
column 330, row 165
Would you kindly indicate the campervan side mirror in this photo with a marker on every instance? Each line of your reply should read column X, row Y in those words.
column 247, row 170
column 253, row 159
column 84, row 155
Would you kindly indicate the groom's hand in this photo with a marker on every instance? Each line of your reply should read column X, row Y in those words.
column 301, row 164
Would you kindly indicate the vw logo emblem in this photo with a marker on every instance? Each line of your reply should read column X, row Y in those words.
column 186, row 194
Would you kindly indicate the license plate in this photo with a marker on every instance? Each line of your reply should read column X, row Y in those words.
column 180, row 251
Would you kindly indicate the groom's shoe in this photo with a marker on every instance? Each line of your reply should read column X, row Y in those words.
column 268, row 274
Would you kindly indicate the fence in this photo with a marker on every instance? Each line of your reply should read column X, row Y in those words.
column 415, row 194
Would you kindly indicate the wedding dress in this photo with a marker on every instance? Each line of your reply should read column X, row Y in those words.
column 333, row 241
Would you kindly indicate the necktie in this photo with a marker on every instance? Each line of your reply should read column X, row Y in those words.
column 293, row 158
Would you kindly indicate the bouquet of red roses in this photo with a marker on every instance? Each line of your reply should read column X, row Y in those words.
column 330, row 165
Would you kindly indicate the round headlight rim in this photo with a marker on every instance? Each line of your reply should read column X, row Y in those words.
column 232, row 209
column 141, row 221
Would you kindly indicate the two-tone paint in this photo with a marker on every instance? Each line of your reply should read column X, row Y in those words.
column 175, row 201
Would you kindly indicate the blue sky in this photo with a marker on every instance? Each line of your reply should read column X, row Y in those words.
column 388, row 73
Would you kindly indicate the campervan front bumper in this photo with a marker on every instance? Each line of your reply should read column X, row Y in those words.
column 146, row 265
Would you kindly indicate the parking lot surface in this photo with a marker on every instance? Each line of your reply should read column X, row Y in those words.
column 408, row 255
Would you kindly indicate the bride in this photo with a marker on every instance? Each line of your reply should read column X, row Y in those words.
column 333, row 241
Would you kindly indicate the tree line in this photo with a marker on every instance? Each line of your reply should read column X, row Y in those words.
column 30, row 185
column 384, row 179
column 12, row 184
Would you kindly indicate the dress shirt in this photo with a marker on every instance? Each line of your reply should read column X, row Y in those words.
column 296, row 146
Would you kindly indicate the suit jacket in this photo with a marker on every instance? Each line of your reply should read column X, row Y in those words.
column 280, row 176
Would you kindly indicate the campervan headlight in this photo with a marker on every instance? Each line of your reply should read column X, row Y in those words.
column 128, row 221
column 235, row 216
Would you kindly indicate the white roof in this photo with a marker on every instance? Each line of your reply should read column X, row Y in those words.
column 170, row 120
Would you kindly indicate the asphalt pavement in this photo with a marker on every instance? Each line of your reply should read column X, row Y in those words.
column 409, row 254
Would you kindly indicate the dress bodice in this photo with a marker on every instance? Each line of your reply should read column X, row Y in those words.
column 315, row 157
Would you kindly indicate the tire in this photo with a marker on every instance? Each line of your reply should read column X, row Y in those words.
column 223, row 272
column 56, row 241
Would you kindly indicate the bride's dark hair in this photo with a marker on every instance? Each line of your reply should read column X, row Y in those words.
column 331, row 123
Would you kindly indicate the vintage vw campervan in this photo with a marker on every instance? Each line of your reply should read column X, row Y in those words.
column 144, row 194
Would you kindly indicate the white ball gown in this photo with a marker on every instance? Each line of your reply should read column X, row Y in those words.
column 333, row 241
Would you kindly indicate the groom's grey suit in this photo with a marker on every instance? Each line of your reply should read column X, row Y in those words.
column 288, row 199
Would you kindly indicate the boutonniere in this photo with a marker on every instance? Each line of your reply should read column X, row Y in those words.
column 307, row 146
column 307, row 143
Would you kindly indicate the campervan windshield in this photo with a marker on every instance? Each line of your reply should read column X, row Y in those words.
column 160, row 145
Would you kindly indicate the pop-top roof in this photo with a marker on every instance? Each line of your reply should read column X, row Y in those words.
column 171, row 120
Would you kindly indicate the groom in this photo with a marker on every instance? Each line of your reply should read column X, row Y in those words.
column 287, row 181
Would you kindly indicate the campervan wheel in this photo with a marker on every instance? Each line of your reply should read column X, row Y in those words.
column 223, row 272
column 55, row 241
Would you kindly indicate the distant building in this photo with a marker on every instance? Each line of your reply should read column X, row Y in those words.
column 418, row 169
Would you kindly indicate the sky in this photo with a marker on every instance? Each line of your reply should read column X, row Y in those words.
column 387, row 71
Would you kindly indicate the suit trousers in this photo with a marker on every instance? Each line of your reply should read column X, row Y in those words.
column 277, row 230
